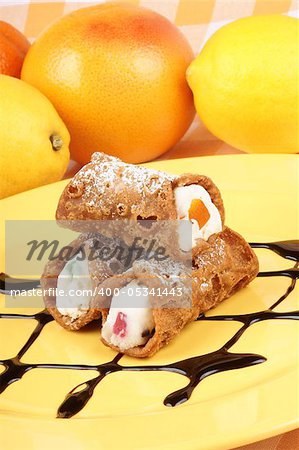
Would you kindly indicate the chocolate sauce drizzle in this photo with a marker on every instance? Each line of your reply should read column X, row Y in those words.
column 195, row 369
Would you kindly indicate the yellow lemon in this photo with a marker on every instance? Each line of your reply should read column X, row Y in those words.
column 33, row 139
column 245, row 84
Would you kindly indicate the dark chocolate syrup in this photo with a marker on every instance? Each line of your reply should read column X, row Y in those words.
column 9, row 284
column 286, row 249
column 195, row 369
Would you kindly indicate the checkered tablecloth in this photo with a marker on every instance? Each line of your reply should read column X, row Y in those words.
column 198, row 20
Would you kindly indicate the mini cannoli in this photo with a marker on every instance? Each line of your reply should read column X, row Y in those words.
column 69, row 282
column 149, row 304
column 139, row 325
column 108, row 188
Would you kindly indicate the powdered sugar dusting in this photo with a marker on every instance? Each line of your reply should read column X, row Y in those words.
column 169, row 272
column 106, row 171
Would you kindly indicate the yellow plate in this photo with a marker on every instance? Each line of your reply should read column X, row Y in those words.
column 126, row 411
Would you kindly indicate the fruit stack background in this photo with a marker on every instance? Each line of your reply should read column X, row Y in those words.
column 198, row 20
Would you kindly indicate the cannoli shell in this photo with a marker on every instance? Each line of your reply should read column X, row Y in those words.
column 99, row 271
column 222, row 266
column 107, row 188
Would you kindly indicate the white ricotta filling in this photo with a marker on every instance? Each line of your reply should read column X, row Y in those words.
column 74, row 289
column 183, row 198
column 127, row 327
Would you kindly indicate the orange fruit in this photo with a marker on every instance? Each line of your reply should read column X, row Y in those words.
column 116, row 75
column 13, row 48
